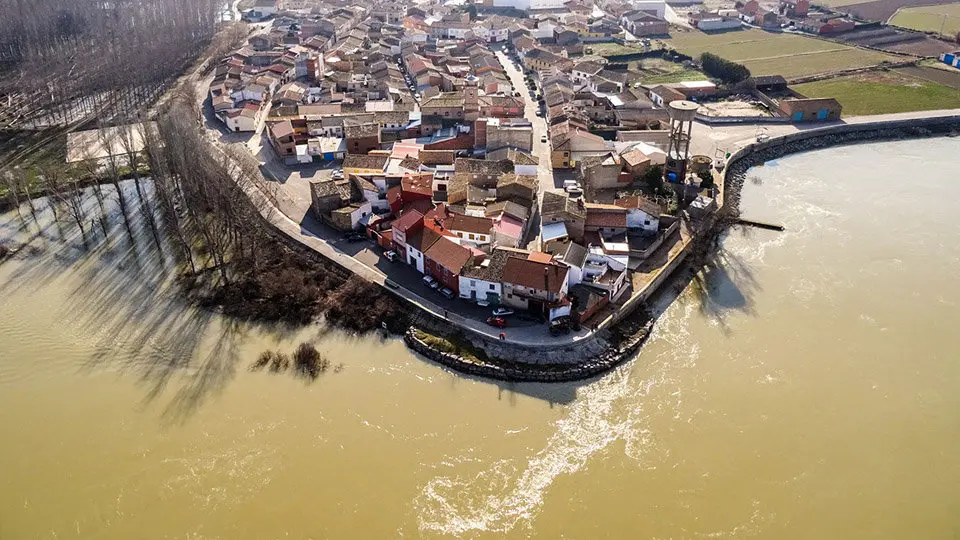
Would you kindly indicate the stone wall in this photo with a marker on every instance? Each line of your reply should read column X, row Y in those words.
column 602, row 362
column 758, row 153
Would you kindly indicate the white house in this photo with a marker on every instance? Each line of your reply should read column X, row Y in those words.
column 583, row 72
column 492, row 31
column 657, row 8
column 643, row 215
column 544, row 30
column 529, row 4
column 476, row 288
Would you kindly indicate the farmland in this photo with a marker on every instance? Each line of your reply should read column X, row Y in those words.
column 766, row 53
column 883, row 10
column 944, row 18
column 882, row 93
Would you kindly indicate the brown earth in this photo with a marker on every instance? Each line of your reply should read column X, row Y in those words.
column 942, row 76
column 882, row 10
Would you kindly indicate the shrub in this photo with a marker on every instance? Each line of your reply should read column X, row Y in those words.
column 262, row 361
column 279, row 362
column 308, row 361
column 725, row 70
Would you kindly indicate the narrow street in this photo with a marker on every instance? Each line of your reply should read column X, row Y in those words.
column 541, row 141
column 540, row 149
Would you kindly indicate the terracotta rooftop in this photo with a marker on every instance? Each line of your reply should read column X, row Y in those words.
column 361, row 161
column 448, row 254
column 407, row 221
column 548, row 277
column 470, row 224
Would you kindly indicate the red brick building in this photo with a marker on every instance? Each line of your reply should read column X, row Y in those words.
column 444, row 260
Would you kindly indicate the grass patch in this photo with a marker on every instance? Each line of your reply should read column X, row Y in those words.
column 943, row 18
column 813, row 64
column 454, row 345
column 883, row 93
column 766, row 53
column 611, row 49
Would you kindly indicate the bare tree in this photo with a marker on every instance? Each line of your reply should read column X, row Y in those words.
column 73, row 199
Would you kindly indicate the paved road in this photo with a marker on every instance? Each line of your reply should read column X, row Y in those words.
column 541, row 142
column 708, row 139
column 541, row 146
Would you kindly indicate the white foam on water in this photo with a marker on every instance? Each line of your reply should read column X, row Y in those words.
column 509, row 493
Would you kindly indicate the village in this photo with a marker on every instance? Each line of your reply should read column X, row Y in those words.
column 483, row 158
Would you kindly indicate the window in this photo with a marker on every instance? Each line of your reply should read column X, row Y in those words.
column 471, row 236
column 509, row 295
column 446, row 113
column 493, row 287
column 460, row 234
column 473, row 283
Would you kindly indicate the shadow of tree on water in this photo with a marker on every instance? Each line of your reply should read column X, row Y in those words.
column 123, row 298
column 726, row 283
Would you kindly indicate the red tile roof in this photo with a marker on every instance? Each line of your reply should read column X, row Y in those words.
column 535, row 275
column 470, row 224
column 420, row 184
column 408, row 220
column 606, row 218
column 448, row 254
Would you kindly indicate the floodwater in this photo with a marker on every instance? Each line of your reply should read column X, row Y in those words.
column 805, row 387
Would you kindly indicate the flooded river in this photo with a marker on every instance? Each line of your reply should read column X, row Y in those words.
column 805, row 387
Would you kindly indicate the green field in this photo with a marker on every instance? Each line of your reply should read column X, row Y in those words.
column 944, row 18
column 883, row 93
column 766, row 53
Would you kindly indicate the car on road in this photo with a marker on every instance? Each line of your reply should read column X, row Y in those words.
column 391, row 256
column 499, row 322
column 502, row 312
column 430, row 282
column 355, row 237
column 447, row 293
column 543, row 138
column 338, row 174
column 539, row 112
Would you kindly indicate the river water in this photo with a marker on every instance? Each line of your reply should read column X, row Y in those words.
column 804, row 387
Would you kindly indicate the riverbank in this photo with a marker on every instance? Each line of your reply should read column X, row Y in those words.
column 756, row 154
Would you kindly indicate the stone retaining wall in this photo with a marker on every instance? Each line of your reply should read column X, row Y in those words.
column 758, row 153
column 517, row 372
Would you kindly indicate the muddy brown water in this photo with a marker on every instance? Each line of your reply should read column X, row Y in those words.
column 804, row 387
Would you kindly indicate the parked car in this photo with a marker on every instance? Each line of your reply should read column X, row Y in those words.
column 502, row 312
column 430, row 282
column 499, row 322
column 483, row 303
column 355, row 237
column 539, row 112
column 560, row 325
column 543, row 138
column 391, row 256
column 338, row 174
column 447, row 293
